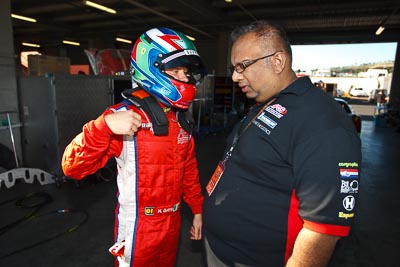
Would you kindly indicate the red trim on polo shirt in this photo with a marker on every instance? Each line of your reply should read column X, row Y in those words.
column 329, row 229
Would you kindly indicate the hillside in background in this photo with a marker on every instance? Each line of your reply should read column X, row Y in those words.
column 355, row 69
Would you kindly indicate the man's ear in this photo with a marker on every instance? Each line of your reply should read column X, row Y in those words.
column 279, row 61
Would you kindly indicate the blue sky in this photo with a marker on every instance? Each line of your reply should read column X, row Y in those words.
column 307, row 57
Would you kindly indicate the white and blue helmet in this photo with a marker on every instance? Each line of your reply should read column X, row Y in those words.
column 159, row 49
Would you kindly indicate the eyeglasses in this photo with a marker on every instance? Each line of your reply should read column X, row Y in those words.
column 242, row 66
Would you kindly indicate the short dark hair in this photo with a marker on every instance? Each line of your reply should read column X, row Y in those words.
column 265, row 30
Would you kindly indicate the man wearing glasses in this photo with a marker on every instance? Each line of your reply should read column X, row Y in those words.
column 286, row 189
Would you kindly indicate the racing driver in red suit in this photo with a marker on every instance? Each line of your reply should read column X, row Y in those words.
column 149, row 135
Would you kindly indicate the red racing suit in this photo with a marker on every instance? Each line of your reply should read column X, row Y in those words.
column 154, row 172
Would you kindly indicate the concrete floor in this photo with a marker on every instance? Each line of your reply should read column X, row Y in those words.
column 45, row 241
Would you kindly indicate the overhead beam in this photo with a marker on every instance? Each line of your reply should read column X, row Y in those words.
column 137, row 4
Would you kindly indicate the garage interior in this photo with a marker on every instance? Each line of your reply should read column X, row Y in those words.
column 39, row 139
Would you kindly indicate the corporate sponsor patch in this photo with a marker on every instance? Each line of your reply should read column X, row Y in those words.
column 345, row 215
column 191, row 52
column 149, row 210
column 183, row 137
column 268, row 121
column 349, row 202
column 349, row 173
column 147, row 125
column 262, row 127
column 277, row 110
column 348, row 164
column 349, row 187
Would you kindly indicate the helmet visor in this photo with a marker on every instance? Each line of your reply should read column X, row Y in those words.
column 184, row 58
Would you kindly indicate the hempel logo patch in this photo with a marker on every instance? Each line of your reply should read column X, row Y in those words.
column 349, row 202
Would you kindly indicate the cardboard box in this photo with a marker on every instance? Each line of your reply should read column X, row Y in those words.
column 39, row 65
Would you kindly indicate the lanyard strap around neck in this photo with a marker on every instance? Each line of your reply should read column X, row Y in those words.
column 239, row 133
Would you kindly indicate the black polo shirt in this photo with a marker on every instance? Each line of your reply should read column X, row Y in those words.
column 295, row 165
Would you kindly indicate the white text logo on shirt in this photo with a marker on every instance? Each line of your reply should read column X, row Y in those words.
column 183, row 137
column 349, row 187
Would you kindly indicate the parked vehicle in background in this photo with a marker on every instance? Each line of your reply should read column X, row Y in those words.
column 373, row 95
column 339, row 92
column 349, row 110
column 374, row 73
column 357, row 92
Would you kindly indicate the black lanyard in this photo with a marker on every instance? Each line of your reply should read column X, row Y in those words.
column 239, row 133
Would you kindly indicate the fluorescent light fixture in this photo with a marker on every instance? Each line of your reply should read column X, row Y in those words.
column 228, row 1
column 122, row 40
column 15, row 16
column 98, row 6
column 31, row 44
column 71, row 43
column 379, row 30
column 190, row 38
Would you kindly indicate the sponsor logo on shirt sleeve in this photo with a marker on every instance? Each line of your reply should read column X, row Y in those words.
column 349, row 187
column 348, row 164
column 349, row 173
column 349, row 202
column 345, row 215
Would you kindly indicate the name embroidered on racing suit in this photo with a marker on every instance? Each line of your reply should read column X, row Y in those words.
column 149, row 211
